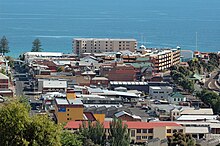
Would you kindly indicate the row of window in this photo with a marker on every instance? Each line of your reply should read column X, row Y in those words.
column 144, row 137
column 174, row 130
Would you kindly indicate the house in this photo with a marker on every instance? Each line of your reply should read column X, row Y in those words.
column 176, row 98
column 100, row 82
column 124, row 116
column 197, row 78
column 4, row 81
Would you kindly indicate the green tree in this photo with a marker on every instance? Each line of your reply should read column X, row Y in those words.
column 10, row 61
column 3, row 71
column 119, row 135
column 69, row 139
column 4, row 48
column 19, row 129
column 181, row 140
column 210, row 98
column 36, row 46
column 93, row 131
column 14, row 119
column 44, row 132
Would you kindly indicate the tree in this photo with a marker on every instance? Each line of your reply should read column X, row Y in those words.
column 18, row 128
column 119, row 135
column 210, row 98
column 43, row 132
column 14, row 119
column 69, row 139
column 4, row 48
column 60, row 69
column 181, row 140
column 93, row 131
column 36, row 46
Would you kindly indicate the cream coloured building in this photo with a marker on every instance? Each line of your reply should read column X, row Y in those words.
column 95, row 45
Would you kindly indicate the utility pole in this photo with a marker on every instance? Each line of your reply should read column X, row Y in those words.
column 196, row 42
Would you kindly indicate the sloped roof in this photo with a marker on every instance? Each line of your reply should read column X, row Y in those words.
column 2, row 76
column 177, row 95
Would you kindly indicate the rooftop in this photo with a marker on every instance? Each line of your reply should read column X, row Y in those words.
column 2, row 76
column 54, row 84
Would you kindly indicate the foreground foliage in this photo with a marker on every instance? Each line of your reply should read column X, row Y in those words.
column 18, row 128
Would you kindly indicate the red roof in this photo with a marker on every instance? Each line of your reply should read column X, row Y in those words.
column 89, row 116
column 131, row 125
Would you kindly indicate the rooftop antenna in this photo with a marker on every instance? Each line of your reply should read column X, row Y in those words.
column 196, row 42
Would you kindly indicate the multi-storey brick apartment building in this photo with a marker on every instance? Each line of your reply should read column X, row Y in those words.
column 95, row 45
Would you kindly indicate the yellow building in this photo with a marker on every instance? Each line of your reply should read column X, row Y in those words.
column 68, row 110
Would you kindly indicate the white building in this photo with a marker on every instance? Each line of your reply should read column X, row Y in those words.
column 95, row 45
column 45, row 86
column 176, row 98
column 161, row 92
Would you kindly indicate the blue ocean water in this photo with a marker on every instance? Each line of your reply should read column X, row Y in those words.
column 162, row 23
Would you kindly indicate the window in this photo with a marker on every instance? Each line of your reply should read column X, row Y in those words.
column 68, row 119
column 138, row 130
column 144, row 137
column 150, row 130
column 138, row 137
column 68, row 109
column 150, row 137
column 144, row 131
column 168, row 130
column 67, row 114
column 132, row 133
column 181, row 130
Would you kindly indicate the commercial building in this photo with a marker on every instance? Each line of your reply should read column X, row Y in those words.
column 160, row 91
column 69, row 108
column 140, row 132
column 95, row 45
column 164, row 58
column 45, row 86
column 118, row 72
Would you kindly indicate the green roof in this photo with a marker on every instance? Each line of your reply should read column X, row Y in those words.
column 143, row 59
column 140, row 65
column 177, row 95
column 196, row 77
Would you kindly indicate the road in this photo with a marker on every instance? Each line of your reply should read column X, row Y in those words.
column 211, row 83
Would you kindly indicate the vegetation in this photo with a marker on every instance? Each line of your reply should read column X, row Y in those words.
column 3, row 71
column 69, row 139
column 181, row 75
column 36, row 46
column 4, row 48
column 210, row 98
column 92, row 133
column 60, row 69
column 11, row 61
column 119, row 135
column 181, row 140
column 17, row 127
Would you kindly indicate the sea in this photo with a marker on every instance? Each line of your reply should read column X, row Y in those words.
column 154, row 23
